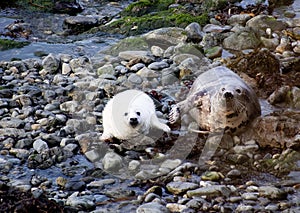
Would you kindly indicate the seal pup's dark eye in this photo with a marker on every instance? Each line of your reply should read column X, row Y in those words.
column 138, row 113
column 238, row 91
column 125, row 113
column 223, row 89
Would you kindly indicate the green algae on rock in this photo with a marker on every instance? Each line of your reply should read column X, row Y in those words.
column 143, row 7
column 6, row 44
column 132, row 25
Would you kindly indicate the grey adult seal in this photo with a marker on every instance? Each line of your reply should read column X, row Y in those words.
column 218, row 100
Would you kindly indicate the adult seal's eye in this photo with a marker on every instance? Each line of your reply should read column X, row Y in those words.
column 138, row 113
column 238, row 91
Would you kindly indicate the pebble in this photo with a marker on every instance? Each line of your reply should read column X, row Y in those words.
column 158, row 65
column 112, row 161
column 180, row 187
column 152, row 207
column 271, row 192
column 137, row 67
column 80, row 201
column 135, row 78
column 214, row 190
column 194, row 32
column 157, row 51
column 40, row 145
column 141, row 55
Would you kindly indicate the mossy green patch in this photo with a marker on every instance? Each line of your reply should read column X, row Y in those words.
column 143, row 7
column 133, row 25
column 6, row 44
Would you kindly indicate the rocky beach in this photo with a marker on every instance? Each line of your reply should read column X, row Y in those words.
column 51, row 156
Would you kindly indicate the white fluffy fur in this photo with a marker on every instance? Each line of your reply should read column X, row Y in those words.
column 125, row 107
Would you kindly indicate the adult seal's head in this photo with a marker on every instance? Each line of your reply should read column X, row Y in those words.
column 219, row 100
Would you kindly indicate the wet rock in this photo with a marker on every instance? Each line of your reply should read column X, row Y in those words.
column 112, row 161
column 213, row 52
column 213, row 28
column 79, row 24
column 147, row 73
column 241, row 40
column 171, row 164
column 272, row 192
column 249, row 196
column 75, row 185
column 71, row 147
column 70, row 106
column 157, row 51
column 180, row 187
column 283, row 46
column 272, row 207
column 11, row 123
column 234, row 173
column 40, row 145
column 166, row 36
column 21, row 185
column 175, row 207
column 100, row 183
column 66, row 69
column 262, row 22
column 77, row 201
column 121, row 69
column 12, row 132
column 134, row 165
column 270, row 43
column 82, row 66
column 286, row 97
column 158, row 65
column 153, row 207
column 50, row 64
column 135, row 78
column 213, row 190
column 169, row 75
column 141, row 55
column 238, row 19
column 212, row 176
column 151, row 197
column 244, row 208
column 137, row 67
column 106, row 69
column 250, row 148
column 19, row 153
column 61, row 181
column 194, row 33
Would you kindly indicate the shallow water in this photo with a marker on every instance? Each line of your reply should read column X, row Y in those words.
column 44, row 43
column 88, row 48
column 279, row 12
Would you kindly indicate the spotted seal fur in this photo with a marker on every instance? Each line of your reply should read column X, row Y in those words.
column 218, row 100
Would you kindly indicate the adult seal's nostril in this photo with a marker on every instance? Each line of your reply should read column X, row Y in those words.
column 228, row 95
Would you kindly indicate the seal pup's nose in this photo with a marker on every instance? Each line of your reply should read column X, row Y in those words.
column 228, row 95
column 133, row 121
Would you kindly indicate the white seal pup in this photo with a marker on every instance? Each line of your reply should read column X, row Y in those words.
column 128, row 115
column 219, row 100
